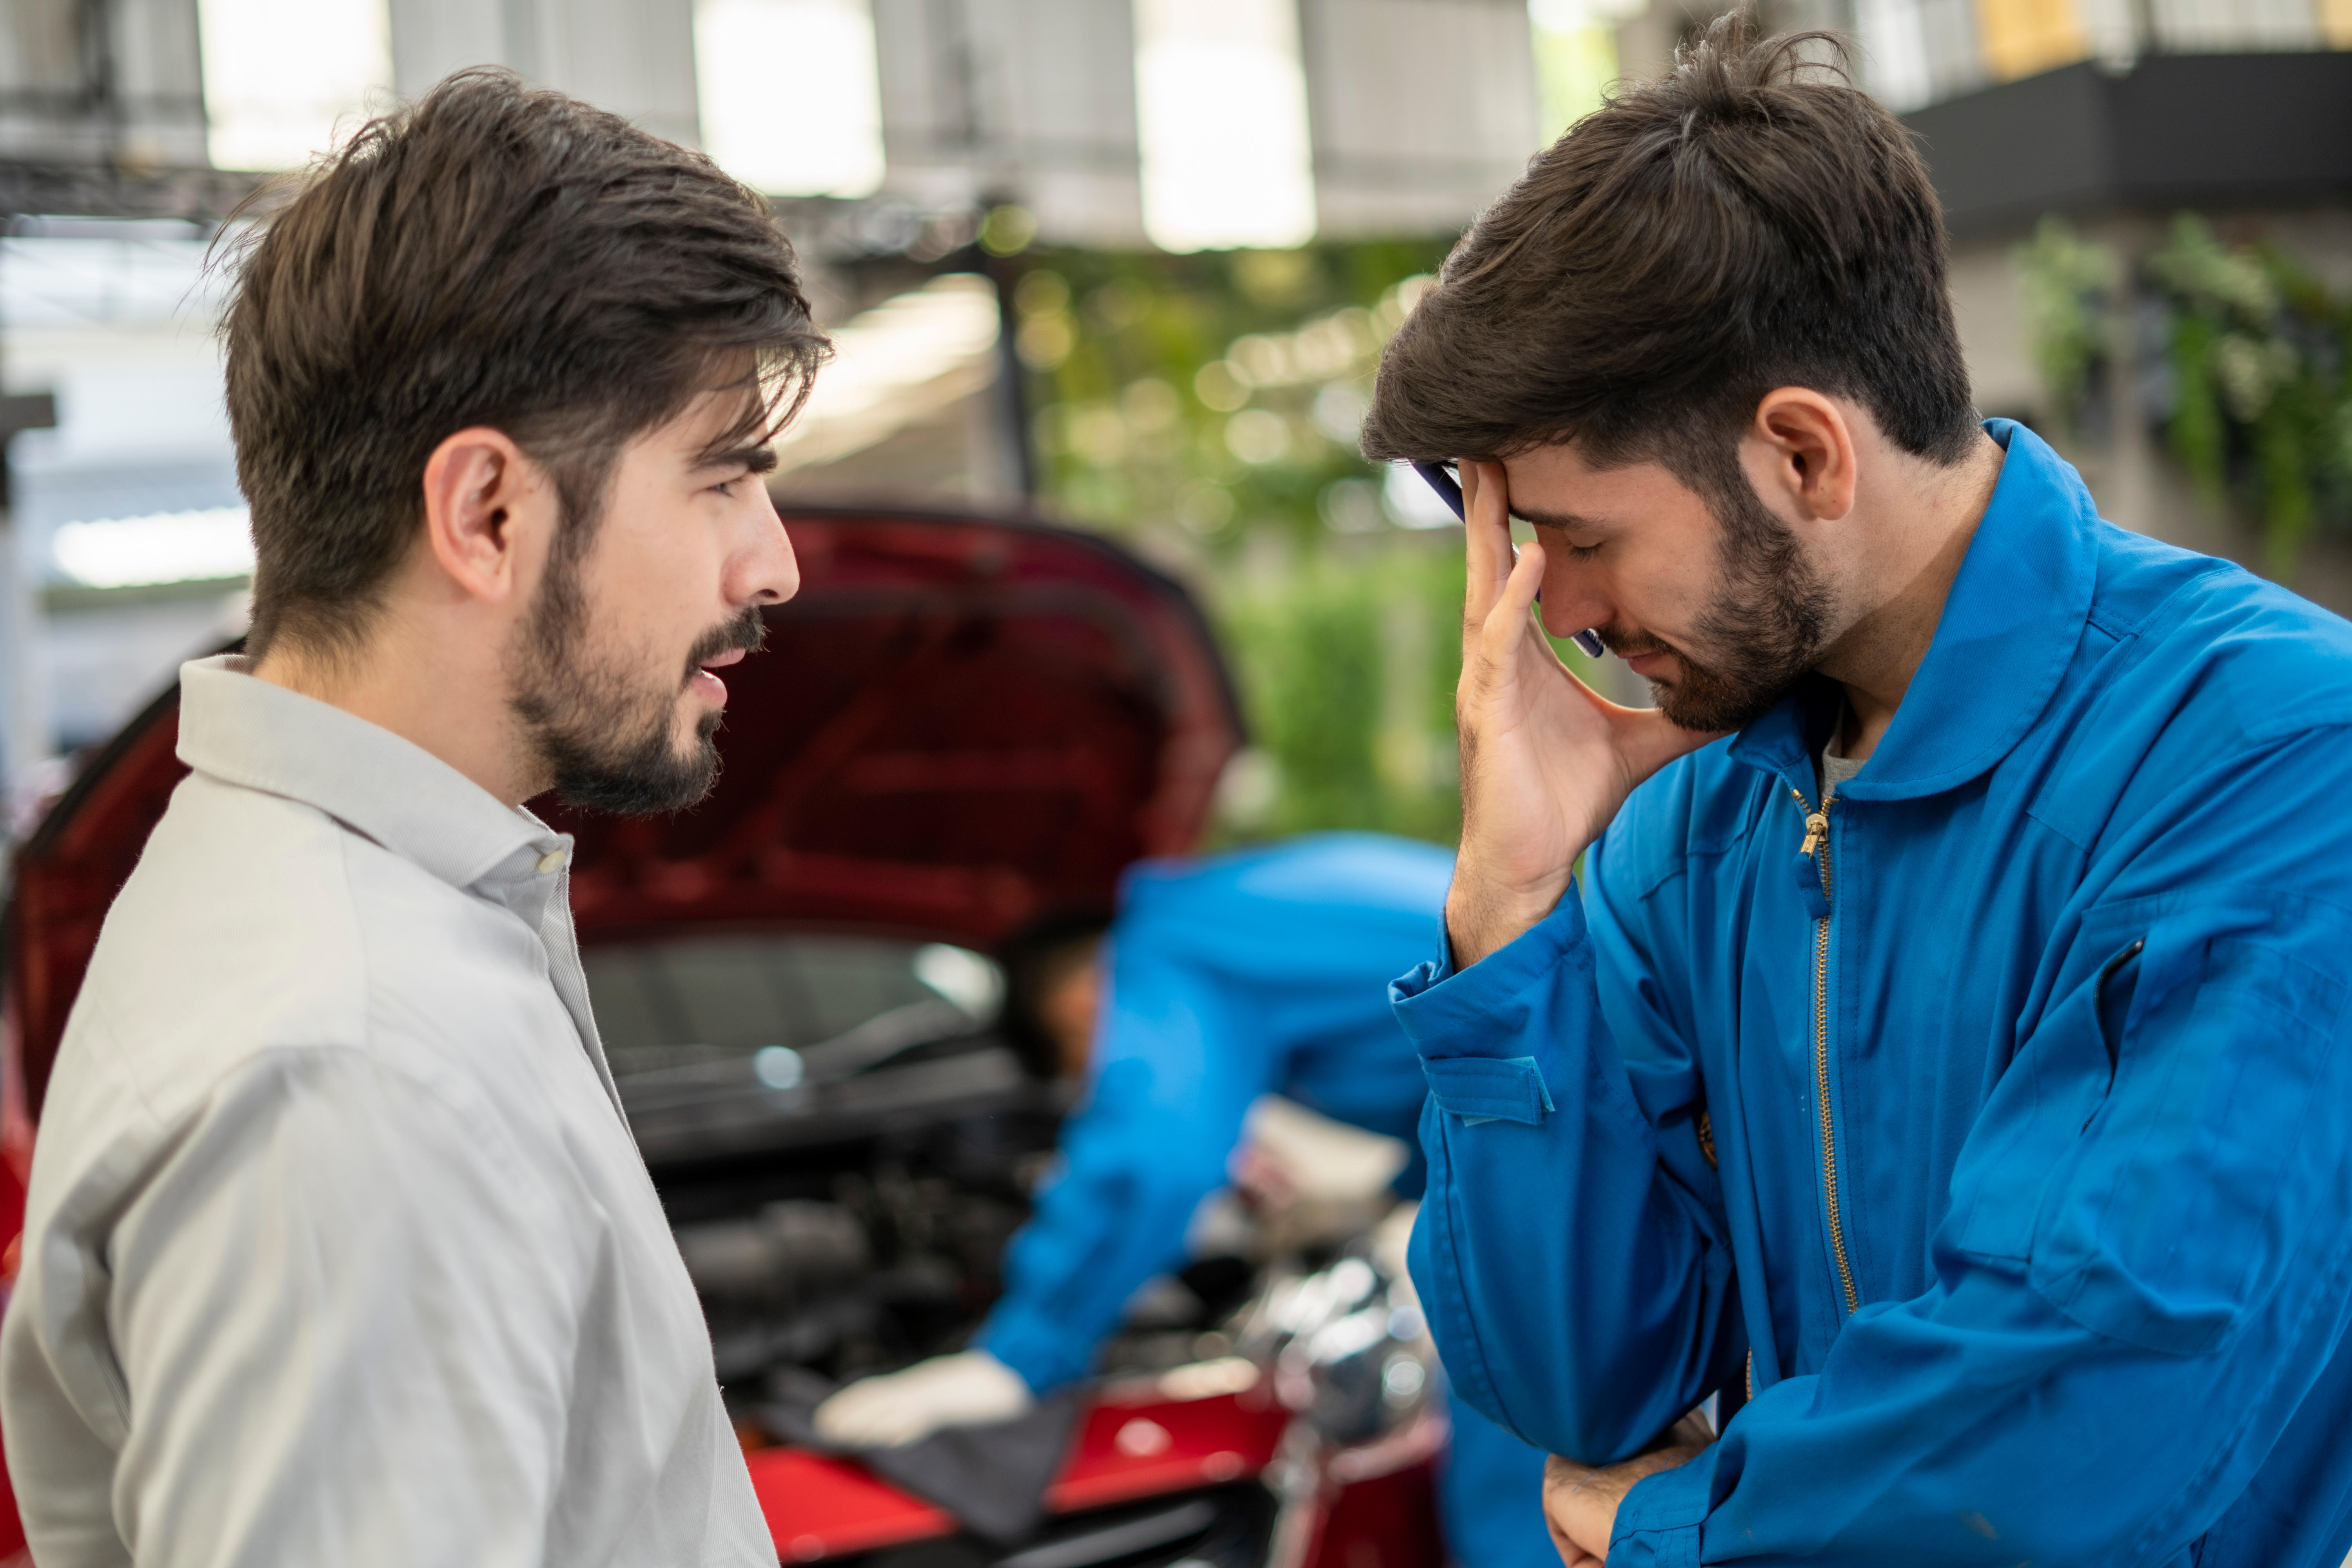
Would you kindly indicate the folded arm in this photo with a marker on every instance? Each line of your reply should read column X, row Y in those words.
column 1585, row 1226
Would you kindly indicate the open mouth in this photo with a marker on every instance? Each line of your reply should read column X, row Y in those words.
column 707, row 684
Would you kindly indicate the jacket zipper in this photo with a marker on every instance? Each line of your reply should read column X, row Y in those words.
column 1817, row 844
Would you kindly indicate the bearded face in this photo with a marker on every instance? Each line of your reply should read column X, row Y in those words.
column 604, row 717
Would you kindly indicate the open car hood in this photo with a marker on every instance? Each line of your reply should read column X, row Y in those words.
column 960, row 723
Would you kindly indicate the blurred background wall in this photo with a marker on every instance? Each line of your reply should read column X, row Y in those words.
column 1130, row 263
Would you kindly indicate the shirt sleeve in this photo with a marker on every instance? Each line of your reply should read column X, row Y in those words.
column 1173, row 1084
column 2142, row 1274
column 1571, row 1249
column 341, row 1310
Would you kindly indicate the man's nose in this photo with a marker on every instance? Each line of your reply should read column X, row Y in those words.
column 767, row 572
column 1573, row 597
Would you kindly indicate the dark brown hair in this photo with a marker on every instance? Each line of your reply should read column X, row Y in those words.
column 489, row 255
column 1038, row 959
column 1745, row 222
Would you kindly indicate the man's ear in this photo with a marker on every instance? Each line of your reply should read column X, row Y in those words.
column 1799, row 452
column 487, row 510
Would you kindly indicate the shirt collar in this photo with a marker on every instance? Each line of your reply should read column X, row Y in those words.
column 262, row 736
column 2011, row 624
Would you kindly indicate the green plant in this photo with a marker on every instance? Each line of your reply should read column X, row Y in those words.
column 1205, row 407
column 2256, row 349
column 1346, row 663
column 2069, row 285
column 2254, row 398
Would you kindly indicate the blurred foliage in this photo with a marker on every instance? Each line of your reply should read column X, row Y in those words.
column 2069, row 286
column 1206, row 407
column 2257, row 350
column 1348, row 667
column 2252, row 349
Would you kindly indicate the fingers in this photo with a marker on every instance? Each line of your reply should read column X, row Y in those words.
column 1486, row 539
column 1569, row 1514
column 1507, row 625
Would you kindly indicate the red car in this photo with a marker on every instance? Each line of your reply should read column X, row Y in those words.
column 960, row 722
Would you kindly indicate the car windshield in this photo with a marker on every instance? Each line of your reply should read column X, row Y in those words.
column 819, row 1006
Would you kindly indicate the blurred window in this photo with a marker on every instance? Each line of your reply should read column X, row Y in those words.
column 280, row 74
column 2191, row 26
column 2022, row 37
column 1894, row 52
column 1220, row 114
column 791, row 98
column 1575, row 44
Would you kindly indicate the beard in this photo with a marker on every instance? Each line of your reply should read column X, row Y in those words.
column 601, row 724
column 1768, row 616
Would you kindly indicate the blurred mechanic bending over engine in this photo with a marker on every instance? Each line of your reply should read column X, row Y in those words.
column 338, row 1249
column 1222, row 979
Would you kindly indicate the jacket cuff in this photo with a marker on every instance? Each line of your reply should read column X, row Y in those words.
column 1659, row 1523
column 1447, row 1012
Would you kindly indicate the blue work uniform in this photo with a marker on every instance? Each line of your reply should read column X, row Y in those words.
column 1260, row 973
column 1993, row 1130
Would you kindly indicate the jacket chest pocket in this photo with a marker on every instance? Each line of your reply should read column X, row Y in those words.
column 2049, row 1093
column 2174, row 1200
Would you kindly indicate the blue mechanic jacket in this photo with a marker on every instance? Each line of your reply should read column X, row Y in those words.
column 1260, row 973
column 1994, row 1136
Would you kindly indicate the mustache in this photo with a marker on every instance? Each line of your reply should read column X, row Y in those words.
column 748, row 631
column 1627, row 643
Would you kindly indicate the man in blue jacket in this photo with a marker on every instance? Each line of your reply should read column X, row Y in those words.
column 1247, row 974
column 1952, row 1062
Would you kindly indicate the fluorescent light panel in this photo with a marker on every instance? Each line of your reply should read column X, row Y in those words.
column 791, row 96
column 895, row 365
column 280, row 74
column 165, row 547
column 1221, row 113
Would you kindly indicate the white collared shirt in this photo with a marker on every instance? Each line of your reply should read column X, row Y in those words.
column 337, row 1250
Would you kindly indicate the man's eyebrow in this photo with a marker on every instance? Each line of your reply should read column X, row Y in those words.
column 1572, row 522
column 759, row 459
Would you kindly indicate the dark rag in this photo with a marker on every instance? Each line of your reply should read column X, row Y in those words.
column 991, row 1477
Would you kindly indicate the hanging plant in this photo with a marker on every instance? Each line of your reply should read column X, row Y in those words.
column 2252, row 395
column 2255, row 348
column 2069, row 286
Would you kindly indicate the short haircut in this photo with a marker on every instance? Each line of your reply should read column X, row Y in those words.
column 1747, row 221
column 1038, row 960
column 496, row 256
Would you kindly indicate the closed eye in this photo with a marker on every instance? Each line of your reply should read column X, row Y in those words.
column 744, row 463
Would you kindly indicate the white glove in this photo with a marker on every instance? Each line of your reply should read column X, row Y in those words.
column 971, row 1388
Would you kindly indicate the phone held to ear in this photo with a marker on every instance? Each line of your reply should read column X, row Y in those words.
column 1449, row 491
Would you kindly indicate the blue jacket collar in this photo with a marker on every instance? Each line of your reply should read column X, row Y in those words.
column 2013, row 620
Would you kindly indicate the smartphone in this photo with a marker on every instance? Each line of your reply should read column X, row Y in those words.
column 1449, row 491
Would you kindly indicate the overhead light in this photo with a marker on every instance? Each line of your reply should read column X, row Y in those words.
column 280, row 74
column 791, row 94
column 164, row 547
column 895, row 365
column 1221, row 116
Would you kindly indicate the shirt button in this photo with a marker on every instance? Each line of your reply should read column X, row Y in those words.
column 550, row 861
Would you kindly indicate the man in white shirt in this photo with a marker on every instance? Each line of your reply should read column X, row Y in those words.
column 338, row 1249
